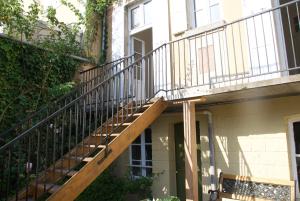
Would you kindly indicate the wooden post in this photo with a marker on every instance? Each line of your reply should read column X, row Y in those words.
column 190, row 149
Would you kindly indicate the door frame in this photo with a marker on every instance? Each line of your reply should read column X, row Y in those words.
column 198, row 137
column 293, row 164
column 138, row 82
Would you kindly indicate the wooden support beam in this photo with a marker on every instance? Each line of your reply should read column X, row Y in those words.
column 190, row 148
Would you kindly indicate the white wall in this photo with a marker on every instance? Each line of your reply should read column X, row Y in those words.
column 118, row 32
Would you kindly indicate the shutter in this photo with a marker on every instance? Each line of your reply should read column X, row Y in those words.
column 178, row 16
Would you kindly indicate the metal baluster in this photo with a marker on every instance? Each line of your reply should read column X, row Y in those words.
column 37, row 163
column 179, row 62
column 264, row 36
column 214, row 57
column 184, row 62
column 191, row 67
column 273, row 39
column 227, row 53
column 9, row 173
column 202, row 63
column 234, row 54
column 208, row 63
column 27, row 167
column 291, row 35
column 70, row 135
column 242, row 52
column 255, row 35
column 220, row 52
column 249, row 49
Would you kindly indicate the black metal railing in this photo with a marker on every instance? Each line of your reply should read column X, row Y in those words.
column 255, row 48
column 104, row 71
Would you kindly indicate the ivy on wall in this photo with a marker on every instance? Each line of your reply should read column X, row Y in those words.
column 96, row 11
column 32, row 75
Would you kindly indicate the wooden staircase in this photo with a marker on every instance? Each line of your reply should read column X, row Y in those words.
column 64, row 180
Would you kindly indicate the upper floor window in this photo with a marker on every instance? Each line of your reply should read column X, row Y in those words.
column 141, row 15
column 206, row 12
column 141, row 155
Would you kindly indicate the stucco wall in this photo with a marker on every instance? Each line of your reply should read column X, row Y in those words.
column 250, row 139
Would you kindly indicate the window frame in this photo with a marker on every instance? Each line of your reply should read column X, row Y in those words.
column 141, row 9
column 143, row 160
column 207, row 8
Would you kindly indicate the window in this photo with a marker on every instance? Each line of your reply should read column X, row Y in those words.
column 141, row 15
column 141, row 155
column 147, row 12
column 206, row 12
column 135, row 18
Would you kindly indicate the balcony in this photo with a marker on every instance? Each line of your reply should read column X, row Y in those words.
column 257, row 56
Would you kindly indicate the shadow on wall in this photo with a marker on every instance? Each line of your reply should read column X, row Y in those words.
column 250, row 140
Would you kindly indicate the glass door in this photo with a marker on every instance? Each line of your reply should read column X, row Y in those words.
column 138, row 49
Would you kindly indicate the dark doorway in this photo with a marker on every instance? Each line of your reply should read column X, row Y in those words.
column 180, row 160
column 296, row 130
column 291, row 29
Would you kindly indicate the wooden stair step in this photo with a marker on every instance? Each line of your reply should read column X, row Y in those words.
column 83, row 159
column 51, row 188
column 138, row 107
column 100, row 146
column 104, row 135
column 134, row 115
column 88, row 159
column 67, row 172
column 116, row 125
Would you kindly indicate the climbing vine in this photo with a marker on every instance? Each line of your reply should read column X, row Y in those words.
column 96, row 11
column 36, row 73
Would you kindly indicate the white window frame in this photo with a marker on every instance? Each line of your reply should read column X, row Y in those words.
column 142, row 26
column 193, row 11
column 143, row 160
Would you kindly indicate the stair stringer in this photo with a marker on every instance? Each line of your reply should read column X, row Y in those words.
column 85, row 176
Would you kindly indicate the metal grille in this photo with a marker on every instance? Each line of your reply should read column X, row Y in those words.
column 256, row 189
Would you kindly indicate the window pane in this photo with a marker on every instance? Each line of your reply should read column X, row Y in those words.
column 137, row 140
column 202, row 18
column 148, row 152
column 135, row 19
column 148, row 138
column 215, row 13
column 149, row 163
column 147, row 13
column 136, row 171
column 199, row 4
column 135, row 162
column 136, row 152
column 148, row 172
column 213, row 2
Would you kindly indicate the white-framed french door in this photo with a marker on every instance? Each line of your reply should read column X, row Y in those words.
column 294, row 138
column 138, row 73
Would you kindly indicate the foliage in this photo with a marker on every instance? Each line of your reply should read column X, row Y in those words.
column 171, row 198
column 32, row 75
column 15, row 20
column 95, row 17
column 107, row 187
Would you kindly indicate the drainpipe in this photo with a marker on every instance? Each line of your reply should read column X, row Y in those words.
column 212, row 169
